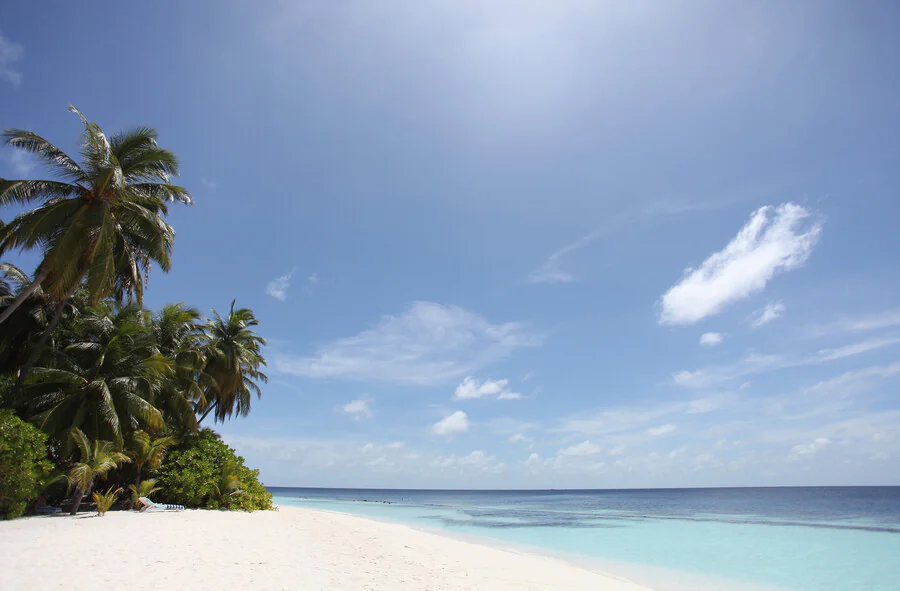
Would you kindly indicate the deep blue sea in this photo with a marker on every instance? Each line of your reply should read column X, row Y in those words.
column 808, row 539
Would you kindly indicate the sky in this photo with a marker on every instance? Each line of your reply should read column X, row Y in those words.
column 519, row 244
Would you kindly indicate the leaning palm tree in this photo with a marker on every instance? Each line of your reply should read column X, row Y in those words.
column 96, row 459
column 100, row 222
column 234, row 356
column 146, row 450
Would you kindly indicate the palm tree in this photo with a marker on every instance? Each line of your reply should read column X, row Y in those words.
column 148, row 451
column 101, row 221
column 179, row 337
column 144, row 489
column 233, row 360
column 104, row 382
column 228, row 485
column 97, row 458
column 26, row 324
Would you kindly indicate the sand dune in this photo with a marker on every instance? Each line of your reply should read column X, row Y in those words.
column 292, row 548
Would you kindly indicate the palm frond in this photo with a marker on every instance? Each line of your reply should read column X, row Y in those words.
column 26, row 192
column 58, row 160
column 106, row 500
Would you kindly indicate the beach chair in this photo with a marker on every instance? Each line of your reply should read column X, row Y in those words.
column 150, row 506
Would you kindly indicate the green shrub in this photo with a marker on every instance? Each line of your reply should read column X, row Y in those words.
column 24, row 466
column 204, row 472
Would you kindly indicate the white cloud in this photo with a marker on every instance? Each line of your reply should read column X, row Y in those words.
column 21, row 162
column 395, row 445
column 471, row 388
column 550, row 272
column 585, row 448
column 518, row 438
column 692, row 379
column 619, row 420
column 757, row 363
column 429, row 344
column 675, row 453
column 661, row 430
column 886, row 319
column 477, row 460
column 358, row 409
column 852, row 382
column 810, row 449
column 768, row 314
column 701, row 405
column 208, row 183
column 311, row 282
column 10, row 53
column 772, row 242
column 534, row 460
column 854, row 349
column 278, row 288
column 457, row 422
column 711, row 339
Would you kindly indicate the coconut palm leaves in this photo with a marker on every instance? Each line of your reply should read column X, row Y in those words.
column 228, row 485
column 96, row 459
column 233, row 353
column 28, row 321
column 178, row 335
column 100, row 222
column 145, row 450
column 106, row 500
column 104, row 382
column 144, row 489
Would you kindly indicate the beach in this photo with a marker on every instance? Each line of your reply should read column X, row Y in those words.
column 292, row 548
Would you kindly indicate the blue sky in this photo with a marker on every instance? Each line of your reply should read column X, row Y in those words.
column 520, row 244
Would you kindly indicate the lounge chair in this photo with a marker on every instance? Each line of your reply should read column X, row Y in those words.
column 150, row 505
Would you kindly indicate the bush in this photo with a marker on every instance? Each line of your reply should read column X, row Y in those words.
column 204, row 472
column 24, row 466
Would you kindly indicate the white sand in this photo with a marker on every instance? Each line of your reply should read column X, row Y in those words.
column 291, row 548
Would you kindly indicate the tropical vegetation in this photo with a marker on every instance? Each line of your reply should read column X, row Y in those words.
column 24, row 466
column 93, row 385
column 205, row 472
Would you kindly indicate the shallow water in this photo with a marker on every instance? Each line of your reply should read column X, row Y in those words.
column 807, row 539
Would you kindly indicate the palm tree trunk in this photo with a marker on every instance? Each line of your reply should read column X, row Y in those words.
column 137, row 488
column 38, row 347
column 76, row 500
column 23, row 296
column 209, row 408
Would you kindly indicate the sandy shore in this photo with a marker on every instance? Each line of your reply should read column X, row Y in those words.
column 292, row 548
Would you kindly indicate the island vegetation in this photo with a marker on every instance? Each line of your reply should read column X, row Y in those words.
column 102, row 400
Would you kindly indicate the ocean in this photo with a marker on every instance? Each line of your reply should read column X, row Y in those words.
column 742, row 539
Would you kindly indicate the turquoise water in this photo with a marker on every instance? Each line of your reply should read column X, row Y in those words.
column 802, row 539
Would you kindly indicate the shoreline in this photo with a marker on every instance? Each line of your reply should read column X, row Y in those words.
column 292, row 547
column 644, row 577
column 574, row 561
